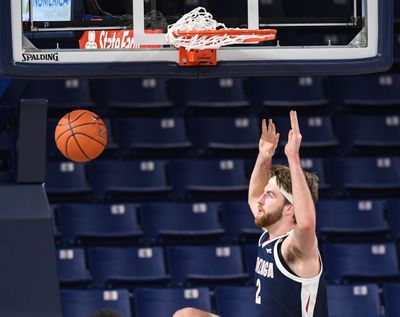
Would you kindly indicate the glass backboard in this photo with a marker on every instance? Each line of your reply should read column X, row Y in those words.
column 128, row 37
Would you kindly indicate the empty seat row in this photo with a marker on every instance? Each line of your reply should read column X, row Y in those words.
column 230, row 301
column 149, row 302
column 225, row 92
column 201, row 222
column 238, row 134
column 214, row 264
column 134, row 179
column 155, row 222
column 147, row 266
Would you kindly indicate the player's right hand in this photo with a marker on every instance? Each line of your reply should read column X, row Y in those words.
column 269, row 140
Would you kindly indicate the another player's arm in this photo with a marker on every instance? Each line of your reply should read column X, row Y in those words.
column 304, row 238
column 259, row 177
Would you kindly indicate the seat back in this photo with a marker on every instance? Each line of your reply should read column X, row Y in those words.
column 204, row 263
column 97, row 220
column 237, row 301
column 165, row 302
column 362, row 260
column 180, row 219
column 83, row 303
column 132, row 264
column 353, row 300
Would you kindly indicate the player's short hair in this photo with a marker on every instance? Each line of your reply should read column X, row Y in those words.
column 283, row 179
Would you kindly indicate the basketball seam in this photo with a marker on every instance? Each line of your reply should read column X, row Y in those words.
column 90, row 137
column 77, row 118
column 66, row 149
column 73, row 135
column 80, row 125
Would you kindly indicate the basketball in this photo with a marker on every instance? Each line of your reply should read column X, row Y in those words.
column 81, row 136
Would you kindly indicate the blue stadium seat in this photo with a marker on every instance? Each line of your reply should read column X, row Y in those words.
column 368, row 90
column 132, row 93
column 314, row 165
column 72, row 268
column 393, row 214
column 112, row 145
column 130, row 266
column 351, row 217
column 236, row 301
column 250, row 252
column 368, row 174
column 153, row 302
column 353, row 300
column 60, row 93
column 238, row 221
column 66, row 178
column 287, row 91
column 181, row 221
column 317, row 131
column 360, row 261
column 240, row 133
column 211, row 93
column 128, row 179
column 205, row 265
column 208, row 176
column 159, row 134
column 373, row 132
column 84, row 303
column 101, row 221
column 391, row 295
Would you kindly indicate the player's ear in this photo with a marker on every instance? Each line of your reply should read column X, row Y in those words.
column 288, row 210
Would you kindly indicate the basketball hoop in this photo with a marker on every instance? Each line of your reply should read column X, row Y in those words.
column 198, row 36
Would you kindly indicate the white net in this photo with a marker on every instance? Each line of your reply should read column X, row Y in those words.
column 200, row 19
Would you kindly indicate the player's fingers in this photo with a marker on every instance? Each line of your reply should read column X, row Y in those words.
column 264, row 127
column 295, row 122
column 271, row 127
column 276, row 140
column 290, row 135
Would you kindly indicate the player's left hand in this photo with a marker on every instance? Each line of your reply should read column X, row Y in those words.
column 292, row 147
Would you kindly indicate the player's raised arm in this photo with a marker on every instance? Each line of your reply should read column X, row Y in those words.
column 304, row 237
column 259, row 178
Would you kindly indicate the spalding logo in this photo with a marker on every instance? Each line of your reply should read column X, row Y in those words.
column 28, row 57
column 101, row 133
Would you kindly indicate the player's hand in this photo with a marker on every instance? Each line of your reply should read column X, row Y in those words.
column 292, row 147
column 269, row 140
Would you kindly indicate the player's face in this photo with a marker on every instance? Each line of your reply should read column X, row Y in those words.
column 270, row 206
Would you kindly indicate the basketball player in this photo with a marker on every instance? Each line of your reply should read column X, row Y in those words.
column 288, row 272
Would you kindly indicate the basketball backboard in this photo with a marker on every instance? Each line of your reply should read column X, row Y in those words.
column 67, row 39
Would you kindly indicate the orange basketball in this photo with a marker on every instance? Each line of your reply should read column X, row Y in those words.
column 81, row 135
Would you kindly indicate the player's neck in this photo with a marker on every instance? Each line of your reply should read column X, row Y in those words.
column 279, row 228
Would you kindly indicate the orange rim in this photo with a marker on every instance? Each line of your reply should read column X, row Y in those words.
column 266, row 35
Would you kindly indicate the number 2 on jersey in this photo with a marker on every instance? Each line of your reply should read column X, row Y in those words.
column 258, row 297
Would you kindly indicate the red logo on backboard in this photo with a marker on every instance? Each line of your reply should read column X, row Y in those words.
column 110, row 39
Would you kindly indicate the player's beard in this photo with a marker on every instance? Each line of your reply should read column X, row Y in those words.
column 269, row 218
